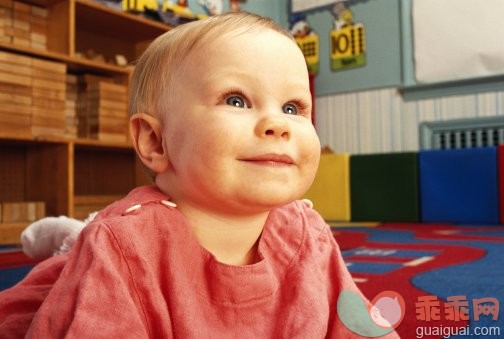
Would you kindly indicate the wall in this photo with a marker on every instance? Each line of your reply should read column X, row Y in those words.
column 377, row 121
column 387, row 119
column 381, row 19
column 276, row 9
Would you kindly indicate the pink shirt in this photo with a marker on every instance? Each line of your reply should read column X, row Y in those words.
column 140, row 273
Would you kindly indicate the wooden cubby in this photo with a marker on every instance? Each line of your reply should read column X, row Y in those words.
column 74, row 175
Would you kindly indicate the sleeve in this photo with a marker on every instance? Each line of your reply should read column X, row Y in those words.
column 351, row 318
column 19, row 303
column 95, row 295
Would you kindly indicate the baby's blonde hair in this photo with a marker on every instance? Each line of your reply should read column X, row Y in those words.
column 154, row 75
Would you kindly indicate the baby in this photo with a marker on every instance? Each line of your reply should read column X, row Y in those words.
column 219, row 247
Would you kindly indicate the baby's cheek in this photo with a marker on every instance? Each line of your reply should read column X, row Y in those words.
column 310, row 147
column 310, row 160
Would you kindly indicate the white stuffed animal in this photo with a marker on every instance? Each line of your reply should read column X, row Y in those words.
column 52, row 236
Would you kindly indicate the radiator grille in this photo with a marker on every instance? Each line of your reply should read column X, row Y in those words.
column 462, row 133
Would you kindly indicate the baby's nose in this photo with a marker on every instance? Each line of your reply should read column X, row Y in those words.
column 273, row 126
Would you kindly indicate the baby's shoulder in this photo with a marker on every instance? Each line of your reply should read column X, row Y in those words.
column 138, row 215
column 302, row 213
column 300, row 223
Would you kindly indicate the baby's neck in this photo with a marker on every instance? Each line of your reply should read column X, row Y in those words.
column 233, row 240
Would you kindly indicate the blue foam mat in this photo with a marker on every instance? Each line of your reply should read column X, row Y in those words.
column 459, row 186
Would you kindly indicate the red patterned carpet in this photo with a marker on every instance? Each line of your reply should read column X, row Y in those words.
column 442, row 271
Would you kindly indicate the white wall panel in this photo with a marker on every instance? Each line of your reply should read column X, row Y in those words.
column 380, row 121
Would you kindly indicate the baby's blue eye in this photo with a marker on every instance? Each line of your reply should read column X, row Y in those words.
column 236, row 101
column 290, row 109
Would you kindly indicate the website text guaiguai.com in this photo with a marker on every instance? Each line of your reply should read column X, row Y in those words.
column 447, row 331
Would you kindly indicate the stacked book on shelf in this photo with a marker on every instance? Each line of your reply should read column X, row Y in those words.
column 32, row 96
column 15, row 94
column 23, row 24
column 102, row 109
column 72, row 90
column 39, row 98
column 21, row 212
column 48, row 95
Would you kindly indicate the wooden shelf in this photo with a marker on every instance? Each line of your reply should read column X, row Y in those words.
column 72, row 175
column 101, row 23
column 10, row 234
column 43, row 3
column 121, row 24
column 74, row 64
column 90, row 143
column 34, row 52
column 102, row 144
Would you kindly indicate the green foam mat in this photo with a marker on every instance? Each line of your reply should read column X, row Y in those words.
column 384, row 187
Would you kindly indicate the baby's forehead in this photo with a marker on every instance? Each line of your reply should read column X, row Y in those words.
column 238, row 33
column 254, row 46
column 231, row 44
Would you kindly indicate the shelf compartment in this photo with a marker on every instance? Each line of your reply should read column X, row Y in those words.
column 93, row 32
column 38, row 25
column 103, row 175
column 100, row 171
column 36, row 172
column 100, row 19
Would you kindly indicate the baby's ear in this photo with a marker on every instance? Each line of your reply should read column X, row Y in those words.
column 147, row 136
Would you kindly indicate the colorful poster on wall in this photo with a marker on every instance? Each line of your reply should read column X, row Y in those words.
column 308, row 41
column 347, row 43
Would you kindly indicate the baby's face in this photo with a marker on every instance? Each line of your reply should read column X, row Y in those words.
column 239, row 134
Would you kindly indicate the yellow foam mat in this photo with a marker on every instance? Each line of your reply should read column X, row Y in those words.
column 330, row 192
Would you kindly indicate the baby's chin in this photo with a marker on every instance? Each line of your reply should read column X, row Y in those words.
column 254, row 206
column 274, row 200
column 271, row 205
column 277, row 195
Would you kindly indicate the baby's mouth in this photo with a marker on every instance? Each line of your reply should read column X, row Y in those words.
column 270, row 159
